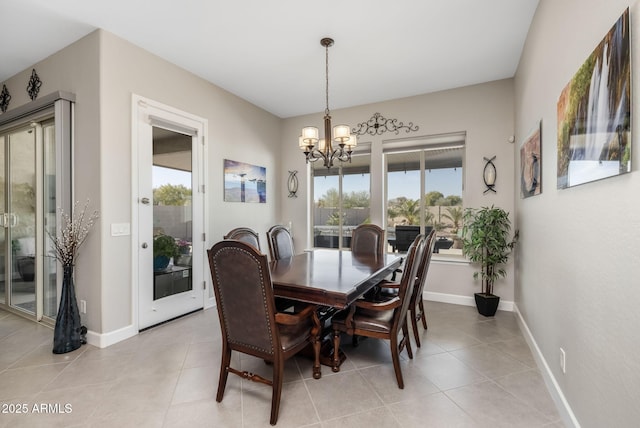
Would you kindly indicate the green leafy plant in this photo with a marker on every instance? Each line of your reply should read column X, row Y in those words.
column 485, row 240
column 165, row 245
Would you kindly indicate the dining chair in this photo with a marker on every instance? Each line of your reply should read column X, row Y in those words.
column 416, row 306
column 384, row 319
column 244, row 234
column 280, row 242
column 368, row 239
column 249, row 321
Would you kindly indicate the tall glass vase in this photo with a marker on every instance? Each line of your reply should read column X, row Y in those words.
column 66, row 335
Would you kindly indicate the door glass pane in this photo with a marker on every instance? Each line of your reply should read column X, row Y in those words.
column 326, row 198
column 403, row 199
column 22, row 218
column 172, row 212
column 50, row 307
column 356, row 195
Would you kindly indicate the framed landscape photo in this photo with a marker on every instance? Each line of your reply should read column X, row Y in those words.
column 244, row 182
column 594, row 113
column 531, row 163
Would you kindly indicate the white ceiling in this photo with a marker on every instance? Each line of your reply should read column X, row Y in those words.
column 268, row 51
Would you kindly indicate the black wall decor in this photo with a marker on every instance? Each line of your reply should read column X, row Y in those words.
column 292, row 184
column 4, row 98
column 489, row 175
column 33, row 87
column 378, row 125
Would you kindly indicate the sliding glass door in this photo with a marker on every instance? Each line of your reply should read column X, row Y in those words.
column 18, row 218
column 28, row 282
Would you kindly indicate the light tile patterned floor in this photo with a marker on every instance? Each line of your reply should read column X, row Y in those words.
column 470, row 372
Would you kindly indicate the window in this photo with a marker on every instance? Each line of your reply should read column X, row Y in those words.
column 341, row 200
column 424, row 191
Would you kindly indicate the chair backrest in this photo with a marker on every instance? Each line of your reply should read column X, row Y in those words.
column 423, row 267
column 280, row 242
column 244, row 297
column 244, row 234
column 368, row 239
column 407, row 283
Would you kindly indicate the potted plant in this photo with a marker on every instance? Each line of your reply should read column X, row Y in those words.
column 485, row 241
column 164, row 248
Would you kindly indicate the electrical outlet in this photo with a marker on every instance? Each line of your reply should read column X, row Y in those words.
column 563, row 361
column 83, row 306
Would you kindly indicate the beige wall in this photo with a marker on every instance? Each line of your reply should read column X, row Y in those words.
column 103, row 71
column 75, row 69
column 579, row 254
column 484, row 111
column 237, row 130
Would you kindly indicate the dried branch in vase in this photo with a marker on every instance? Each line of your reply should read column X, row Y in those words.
column 72, row 235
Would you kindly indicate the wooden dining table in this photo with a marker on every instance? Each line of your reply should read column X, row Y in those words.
column 331, row 279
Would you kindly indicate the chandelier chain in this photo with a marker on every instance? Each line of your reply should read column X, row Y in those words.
column 326, row 73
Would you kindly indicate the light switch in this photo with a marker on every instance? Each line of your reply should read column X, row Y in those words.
column 120, row 229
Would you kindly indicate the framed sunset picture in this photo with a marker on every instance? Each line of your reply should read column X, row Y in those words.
column 244, row 182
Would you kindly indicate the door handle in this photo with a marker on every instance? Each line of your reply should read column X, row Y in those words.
column 144, row 245
column 145, row 201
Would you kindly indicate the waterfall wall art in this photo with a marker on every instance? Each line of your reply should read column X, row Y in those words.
column 244, row 182
column 594, row 113
column 531, row 163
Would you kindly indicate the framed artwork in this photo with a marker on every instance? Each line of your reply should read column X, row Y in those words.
column 244, row 182
column 531, row 163
column 594, row 113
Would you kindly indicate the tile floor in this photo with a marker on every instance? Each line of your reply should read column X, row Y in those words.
column 470, row 372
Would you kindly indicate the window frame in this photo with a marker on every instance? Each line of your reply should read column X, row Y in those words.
column 422, row 145
column 363, row 149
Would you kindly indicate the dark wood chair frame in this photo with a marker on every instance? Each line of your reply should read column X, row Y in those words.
column 273, row 238
column 363, row 236
column 399, row 304
column 268, row 345
column 245, row 234
column 417, row 312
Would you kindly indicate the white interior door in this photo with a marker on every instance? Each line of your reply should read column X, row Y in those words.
column 170, row 205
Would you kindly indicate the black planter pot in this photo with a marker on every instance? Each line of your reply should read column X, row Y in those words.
column 487, row 304
column 67, row 333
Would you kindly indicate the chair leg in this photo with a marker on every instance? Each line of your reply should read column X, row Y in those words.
column 406, row 340
column 395, row 356
column 355, row 340
column 423, row 314
column 317, row 372
column 224, row 372
column 278, row 372
column 336, row 351
column 414, row 325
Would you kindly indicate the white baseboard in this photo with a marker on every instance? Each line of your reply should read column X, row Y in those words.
column 567, row 415
column 102, row 340
column 462, row 300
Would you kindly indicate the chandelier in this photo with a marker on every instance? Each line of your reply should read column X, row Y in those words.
column 316, row 148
